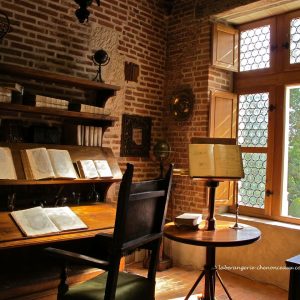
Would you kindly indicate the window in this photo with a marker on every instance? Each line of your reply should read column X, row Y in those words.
column 291, row 177
column 255, row 48
column 253, row 135
column 268, row 88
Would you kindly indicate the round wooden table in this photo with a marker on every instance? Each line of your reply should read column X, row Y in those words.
column 222, row 236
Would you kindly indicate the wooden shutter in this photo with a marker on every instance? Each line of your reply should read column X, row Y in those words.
column 225, row 47
column 223, row 124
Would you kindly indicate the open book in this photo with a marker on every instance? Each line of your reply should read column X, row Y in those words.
column 94, row 168
column 7, row 167
column 215, row 160
column 42, row 163
column 38, row 221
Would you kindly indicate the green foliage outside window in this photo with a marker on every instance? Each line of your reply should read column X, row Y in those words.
column 294, row 154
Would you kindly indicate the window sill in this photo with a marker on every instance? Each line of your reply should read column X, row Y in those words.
column 255, row 220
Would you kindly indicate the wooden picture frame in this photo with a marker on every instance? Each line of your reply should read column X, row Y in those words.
column 136, row 136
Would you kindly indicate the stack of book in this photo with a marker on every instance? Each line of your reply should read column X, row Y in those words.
column 44, row 101
column 89, row 135
column 11, row 92
column 89, row 109
column 191, row 220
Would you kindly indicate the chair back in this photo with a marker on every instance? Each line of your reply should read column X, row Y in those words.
column 141, row 210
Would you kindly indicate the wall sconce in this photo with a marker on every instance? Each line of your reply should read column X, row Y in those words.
column 82, row 13
column 4, row 25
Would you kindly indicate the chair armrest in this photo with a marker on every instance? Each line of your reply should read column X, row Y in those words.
column 79, row 258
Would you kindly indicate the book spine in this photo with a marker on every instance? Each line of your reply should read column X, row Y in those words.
column 91, row 134
column 95, row 142
column 99, row 139
column 79, row 140
column 86, row 135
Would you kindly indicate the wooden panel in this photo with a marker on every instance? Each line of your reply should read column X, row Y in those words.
column 97, row 217
column 225, row 47
column 223, row 124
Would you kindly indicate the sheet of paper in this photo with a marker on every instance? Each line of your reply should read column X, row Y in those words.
column 228, row 161
column 201, row 160
column 64, row 218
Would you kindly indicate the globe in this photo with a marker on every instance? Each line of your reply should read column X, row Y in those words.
column 161, row 150
column 101, row 57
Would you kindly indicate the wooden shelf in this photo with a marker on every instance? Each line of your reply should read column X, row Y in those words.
column 56, row 181
column 76, row 153
column 74, row 116
column 55, row 77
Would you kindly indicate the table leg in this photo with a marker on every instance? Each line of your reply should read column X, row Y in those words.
column 210, row 274
column 210, row 220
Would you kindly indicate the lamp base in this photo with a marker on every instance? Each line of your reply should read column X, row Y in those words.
column 237, row 226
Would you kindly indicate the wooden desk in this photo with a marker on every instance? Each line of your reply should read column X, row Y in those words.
column 222, row 236
column 27, row 272
column 97, row 217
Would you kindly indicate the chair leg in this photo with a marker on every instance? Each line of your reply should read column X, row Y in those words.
column 63, row 286
column 112, row 281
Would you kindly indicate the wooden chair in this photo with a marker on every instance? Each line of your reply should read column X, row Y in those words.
column 140, row 217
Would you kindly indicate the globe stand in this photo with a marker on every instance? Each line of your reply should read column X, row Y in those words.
column 101, row 59
column 161, row 151
column 98, row 75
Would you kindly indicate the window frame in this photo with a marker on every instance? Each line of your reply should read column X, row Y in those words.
column 273, row 80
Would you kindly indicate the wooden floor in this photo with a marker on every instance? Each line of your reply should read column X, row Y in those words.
column 175, row 283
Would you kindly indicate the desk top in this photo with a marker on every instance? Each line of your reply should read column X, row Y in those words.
column 97, row 217
column 223, row 236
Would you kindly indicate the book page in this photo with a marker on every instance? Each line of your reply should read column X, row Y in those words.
column 228, row 161
column 201, row 160
column 40, row 163
column 64, row 218
column 7, row 168
column 103, row 168
column 62, row 163
column 87, row 169
column 34, row 221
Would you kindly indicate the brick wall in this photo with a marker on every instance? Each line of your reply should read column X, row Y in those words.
column 188, row 64
column 171, row 52
column 46, row 35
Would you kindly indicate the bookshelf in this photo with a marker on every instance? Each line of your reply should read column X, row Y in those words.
column 23, row 193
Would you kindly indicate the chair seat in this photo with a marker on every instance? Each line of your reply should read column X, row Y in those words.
column 130, row 287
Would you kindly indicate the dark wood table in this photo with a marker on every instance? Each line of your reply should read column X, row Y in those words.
column 222, row 236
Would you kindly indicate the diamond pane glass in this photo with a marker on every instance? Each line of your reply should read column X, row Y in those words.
column 253, row 120
column 255, row 49
column 295, row 41
column 252, row 186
